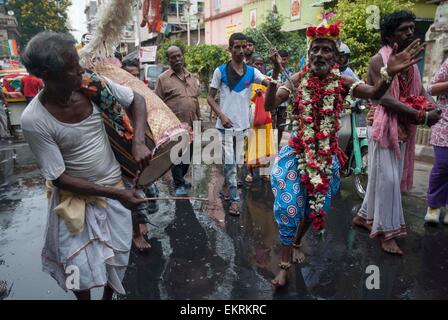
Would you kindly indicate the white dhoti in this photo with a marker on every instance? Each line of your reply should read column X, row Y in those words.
column 96, row 253
column 382, row 207
column 99, row 254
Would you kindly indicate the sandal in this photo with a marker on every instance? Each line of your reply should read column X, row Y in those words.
column 224, row 196
column 234, row 211
column 284, row 265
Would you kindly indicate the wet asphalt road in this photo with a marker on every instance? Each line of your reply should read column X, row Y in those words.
column 199, row 252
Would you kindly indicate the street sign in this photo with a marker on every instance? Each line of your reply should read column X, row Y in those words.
column 148, row 54
column 193, row 15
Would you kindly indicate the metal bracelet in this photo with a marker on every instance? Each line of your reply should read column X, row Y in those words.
column 385, row 75
column 286, row 88
column 353, row 87
column 426, row 118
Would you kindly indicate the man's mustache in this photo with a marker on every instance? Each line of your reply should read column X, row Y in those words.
column 323, row 62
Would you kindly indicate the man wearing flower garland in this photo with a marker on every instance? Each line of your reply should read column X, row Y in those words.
column 392, row 137
column 306, row 174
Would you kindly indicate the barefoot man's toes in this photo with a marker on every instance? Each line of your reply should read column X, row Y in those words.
column 391, row 246
column 141, row 244
column 280, row 279
column 360, row 222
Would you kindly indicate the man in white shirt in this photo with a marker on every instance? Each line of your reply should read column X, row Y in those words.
column 234, row 80
column 66, row 134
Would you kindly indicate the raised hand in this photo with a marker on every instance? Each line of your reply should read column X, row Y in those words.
column 275, row 59
column 399, row 61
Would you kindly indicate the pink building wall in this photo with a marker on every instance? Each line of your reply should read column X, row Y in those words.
column 219, row 22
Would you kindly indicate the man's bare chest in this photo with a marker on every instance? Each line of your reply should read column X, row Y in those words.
column 79, row 109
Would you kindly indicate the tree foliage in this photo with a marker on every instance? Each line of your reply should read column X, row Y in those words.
column 37, row 16
column 203, row 60
column 358, row 27
column 293, row 42
column 161, row 51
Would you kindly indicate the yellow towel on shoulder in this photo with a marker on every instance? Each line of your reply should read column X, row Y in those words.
column 72, row 206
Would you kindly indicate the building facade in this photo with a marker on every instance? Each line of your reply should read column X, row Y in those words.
column 222, row 18
column 175, row 13
column 90, row 11
column 9, row 35
column 128, row 39
column 298, row 14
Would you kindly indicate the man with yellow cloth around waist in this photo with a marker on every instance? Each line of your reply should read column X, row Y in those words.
column 89, row 230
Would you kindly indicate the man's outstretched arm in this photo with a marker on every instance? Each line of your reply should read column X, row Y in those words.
column 398, row 62
column 128, row 198
column 387, row 100
column 276, row 95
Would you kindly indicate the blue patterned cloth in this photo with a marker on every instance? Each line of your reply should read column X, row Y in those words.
column 291, row 201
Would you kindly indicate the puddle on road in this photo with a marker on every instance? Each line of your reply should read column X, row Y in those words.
column 200, row 252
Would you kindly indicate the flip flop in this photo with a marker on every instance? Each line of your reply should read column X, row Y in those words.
column 234, row 211
column 224, row 196
column 249, row 179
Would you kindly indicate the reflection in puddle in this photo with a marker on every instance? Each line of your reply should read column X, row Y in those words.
column 16, row 162
column 4, row 289
column 200, row 252
column 7, row 160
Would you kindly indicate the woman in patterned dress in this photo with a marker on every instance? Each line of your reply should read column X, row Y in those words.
column 438, row 180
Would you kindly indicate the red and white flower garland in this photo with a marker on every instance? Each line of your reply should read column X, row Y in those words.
column 317, row 107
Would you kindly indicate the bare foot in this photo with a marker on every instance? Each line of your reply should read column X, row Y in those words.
column 361, row 222
column 298, row 256
column 140, row 243
column 143, row 229
column 391, row 246
column 280, row 279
